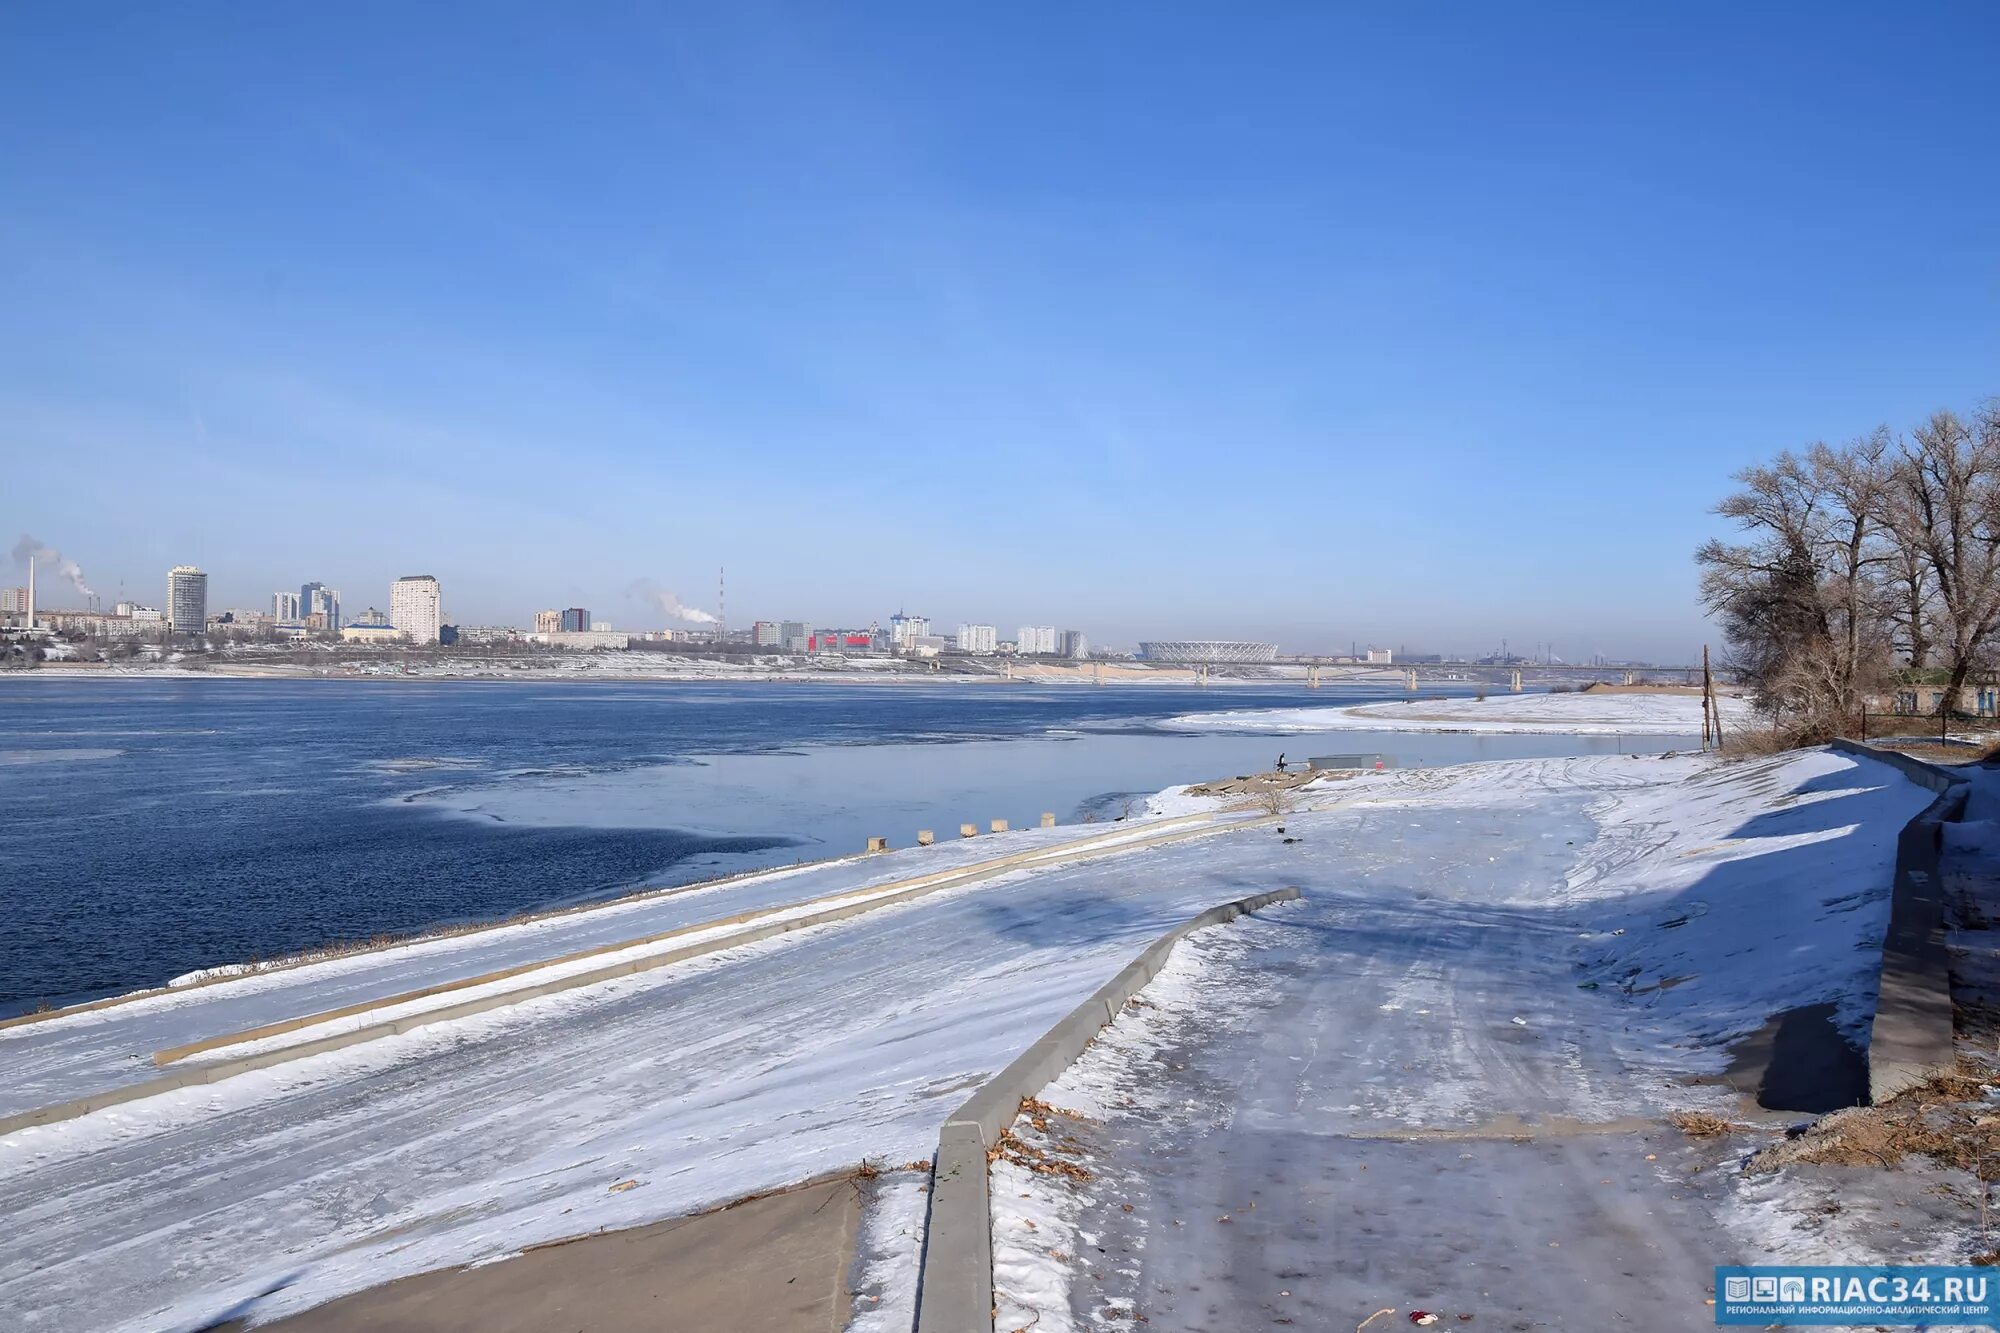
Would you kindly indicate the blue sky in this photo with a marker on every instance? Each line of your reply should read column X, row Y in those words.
column 1416, row 324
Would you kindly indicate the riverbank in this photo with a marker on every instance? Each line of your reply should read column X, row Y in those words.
column 664, row 668
column 285, row 817
column 1612, row 712
column 1482, row 899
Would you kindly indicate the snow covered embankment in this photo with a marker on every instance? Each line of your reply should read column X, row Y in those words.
column 1591, row 714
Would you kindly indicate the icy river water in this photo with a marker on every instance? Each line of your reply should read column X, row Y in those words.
column 151, row 827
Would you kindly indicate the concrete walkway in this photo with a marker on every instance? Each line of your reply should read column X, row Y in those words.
column 1423, row 1113
column 777, row 1264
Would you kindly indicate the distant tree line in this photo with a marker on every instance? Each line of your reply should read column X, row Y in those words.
column 1860, row 565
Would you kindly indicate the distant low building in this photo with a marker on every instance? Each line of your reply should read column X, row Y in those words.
column 372, row 634
column 586, row 640
column 1380, row 656
column 487, row 633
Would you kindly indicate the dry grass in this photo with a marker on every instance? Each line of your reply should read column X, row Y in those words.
column 1044, row 1159
column 1760, row 741
column 1946, row 1119
column 1700, row 1124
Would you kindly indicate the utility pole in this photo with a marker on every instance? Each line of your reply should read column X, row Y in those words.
column 1710, row 709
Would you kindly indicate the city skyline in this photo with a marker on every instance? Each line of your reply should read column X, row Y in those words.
column 1372, row 336
column 1054, row 639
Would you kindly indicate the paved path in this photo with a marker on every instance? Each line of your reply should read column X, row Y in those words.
column 777, row 1264
column 1424, row 1112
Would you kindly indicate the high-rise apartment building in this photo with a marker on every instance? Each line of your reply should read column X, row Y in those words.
column 1073, row 643
column 767, row 634
column 13, row 601
column 1036, row 639
column 795, row 636
column 416, row 607
column 904, row 628
column 978, row 638
column 548, row 622
column 576, row 620
column 316, row 599
column 187, row 599
column 285, row 608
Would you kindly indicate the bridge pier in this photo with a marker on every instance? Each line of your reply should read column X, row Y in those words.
column 1515, row 683
column 1410, row 680
column 1312, row 677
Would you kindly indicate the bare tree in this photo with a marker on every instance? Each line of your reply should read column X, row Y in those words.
column 1770, row 590
column 1909, row 601
column 1943, row 505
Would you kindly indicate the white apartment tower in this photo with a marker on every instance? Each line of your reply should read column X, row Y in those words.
column 416, row 607
column 1036, row 639
column 187, row 599
column 978, row 639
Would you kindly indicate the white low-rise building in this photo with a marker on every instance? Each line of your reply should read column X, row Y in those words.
column 589, row 640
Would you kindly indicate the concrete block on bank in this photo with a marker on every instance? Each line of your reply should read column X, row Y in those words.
column 968, row 830
column 878, row 844
column 999, row 826
column 1048, row 819
column 925, row 837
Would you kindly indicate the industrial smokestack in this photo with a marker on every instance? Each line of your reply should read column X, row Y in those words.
column 31, row 592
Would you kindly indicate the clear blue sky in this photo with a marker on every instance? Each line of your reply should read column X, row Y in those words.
column 1411, row 323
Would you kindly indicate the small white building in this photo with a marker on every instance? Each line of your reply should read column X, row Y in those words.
column 371, row 634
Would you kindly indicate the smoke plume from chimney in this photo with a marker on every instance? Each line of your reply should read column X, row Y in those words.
column 45, row 554
column 670, row 605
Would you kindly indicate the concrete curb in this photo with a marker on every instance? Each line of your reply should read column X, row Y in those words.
column 1911, row 1037
column 922, row 886
column 955, row 1286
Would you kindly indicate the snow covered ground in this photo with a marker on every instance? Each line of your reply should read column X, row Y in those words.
column 1455, row 900
column 1583, row 714
column 1438, row 1083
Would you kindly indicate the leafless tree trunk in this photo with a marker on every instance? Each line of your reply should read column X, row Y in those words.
column 1944, row 504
